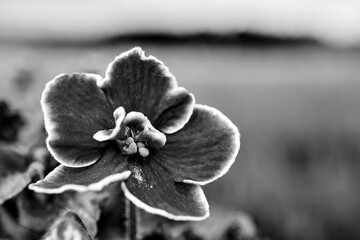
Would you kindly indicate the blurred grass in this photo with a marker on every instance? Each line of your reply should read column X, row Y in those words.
column 297, row 109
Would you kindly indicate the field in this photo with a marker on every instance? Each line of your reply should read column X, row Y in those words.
column 297, row 109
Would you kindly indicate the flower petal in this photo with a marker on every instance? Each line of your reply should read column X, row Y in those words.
column 144, row 84
column 111, row 167
column 176, row 110
column 74, row 110
column 110, row 134
column 203, row 150
column 151, row 188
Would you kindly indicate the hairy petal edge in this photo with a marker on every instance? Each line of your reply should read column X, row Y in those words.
column 110, row 168
column 203, row 150
column 74, row 110
column 152, row 188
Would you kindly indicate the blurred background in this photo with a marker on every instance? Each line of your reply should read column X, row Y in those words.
column 285, row 72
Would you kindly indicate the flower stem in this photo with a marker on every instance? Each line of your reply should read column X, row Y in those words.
column 132, row 215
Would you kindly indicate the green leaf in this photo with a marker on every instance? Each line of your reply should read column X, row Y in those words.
column 16, row 172
column 68, row 226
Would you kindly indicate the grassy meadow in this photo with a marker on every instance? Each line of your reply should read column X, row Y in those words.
column 297, row 109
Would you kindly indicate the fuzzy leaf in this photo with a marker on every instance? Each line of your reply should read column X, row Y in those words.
column 225, row 223
column 16, row 173
column 10, row 228
column 88, row 206
column 37, row 211
column 68, row 226
column 10, row 123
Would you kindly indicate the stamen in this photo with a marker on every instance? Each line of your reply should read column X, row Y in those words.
column 144, row 152
column 133, row 147
column 133, row 133
column 140, row 145
column 129, row 140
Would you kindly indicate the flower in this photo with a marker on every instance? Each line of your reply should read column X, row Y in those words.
column 136, row 126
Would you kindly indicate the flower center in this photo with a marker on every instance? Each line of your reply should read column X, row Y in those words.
column 133, row 133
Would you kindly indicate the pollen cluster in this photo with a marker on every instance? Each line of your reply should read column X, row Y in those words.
column 131, row 147
column 133, row 133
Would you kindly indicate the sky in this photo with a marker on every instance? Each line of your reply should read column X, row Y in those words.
column 334, row 22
